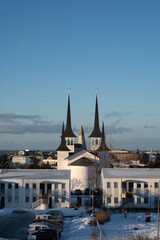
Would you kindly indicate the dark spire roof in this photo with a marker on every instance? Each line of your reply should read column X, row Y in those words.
column 96, row 131
column 63, row 146
column 103, row 147
column 68, row 132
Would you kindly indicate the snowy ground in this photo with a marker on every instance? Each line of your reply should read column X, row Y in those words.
column 76, row 226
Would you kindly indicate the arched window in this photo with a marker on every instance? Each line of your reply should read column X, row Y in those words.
column 68, row 141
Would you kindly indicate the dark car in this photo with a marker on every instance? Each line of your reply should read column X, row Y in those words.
column 47, row 234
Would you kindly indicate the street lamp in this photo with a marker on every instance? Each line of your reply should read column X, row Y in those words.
column 150, row 197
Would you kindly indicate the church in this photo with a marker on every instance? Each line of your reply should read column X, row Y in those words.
column 85, row 165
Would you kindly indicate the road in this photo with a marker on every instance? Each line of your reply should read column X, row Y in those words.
column 15, row 225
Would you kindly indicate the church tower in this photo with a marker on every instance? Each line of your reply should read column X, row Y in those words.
column 96, row 133
column 62, row 152
column 69, row 135
column 103, row 150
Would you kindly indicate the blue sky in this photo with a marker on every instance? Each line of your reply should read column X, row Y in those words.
column 48, row 46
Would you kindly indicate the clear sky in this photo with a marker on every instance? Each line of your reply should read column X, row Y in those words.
column 48, row 46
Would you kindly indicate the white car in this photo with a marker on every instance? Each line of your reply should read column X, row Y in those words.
column 35, row 227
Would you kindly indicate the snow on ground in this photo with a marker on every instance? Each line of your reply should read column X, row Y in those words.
column 119, row 228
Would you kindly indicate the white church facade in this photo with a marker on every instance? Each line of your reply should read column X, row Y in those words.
column 85, row 166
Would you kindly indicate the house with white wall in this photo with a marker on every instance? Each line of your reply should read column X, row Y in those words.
column 33, row 188
column 132, row 188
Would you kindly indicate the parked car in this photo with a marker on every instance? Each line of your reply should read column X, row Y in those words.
column 58, row 225
column 46, row 234
column 56, row 213
column 35, row 227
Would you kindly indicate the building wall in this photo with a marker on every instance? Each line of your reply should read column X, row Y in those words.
column 82, row 177
column 24, row 194
column 20, row 159
column 144, row 193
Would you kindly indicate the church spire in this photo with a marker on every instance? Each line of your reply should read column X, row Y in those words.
column 96, row 133
column 63, row 146
column 68, row 132
column 81, row 138
column 103, row 147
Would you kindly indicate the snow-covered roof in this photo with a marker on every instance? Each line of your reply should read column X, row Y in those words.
column 35, row 174
column 131, row 173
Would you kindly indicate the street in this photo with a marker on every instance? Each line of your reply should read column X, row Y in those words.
column 15, row 225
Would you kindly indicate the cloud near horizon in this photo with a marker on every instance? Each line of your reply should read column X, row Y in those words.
column 16, row 124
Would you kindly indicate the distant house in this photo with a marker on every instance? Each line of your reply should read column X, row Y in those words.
column 21, row 159
column 133, row 188
column 34, row 188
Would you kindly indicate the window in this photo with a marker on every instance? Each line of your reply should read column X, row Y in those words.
column 123, row 185
column 71, row 141
column 138, row 185
column 37, row 228
column 9, row 199
column 56, row 199
column 16, row 185
column 115, row 184
column 9, row 185
column 138, row 200
column 115, row 200
column 63, row 185
column 108, row 199
column 156, row 185
column 96, row 141
column 108, row 185
column 16, row 199
column 56, row 185
column 68, row 141
column 92, row 141
column 146, row 200
column 34, row 199
column 27, row 199
column 34, row 185
column 145, row 185
column 63, row 199
column 27, row 185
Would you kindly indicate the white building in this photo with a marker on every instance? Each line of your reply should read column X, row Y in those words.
column 85, row 165
column 34, row 188
column 133, row 188
column 21, row 159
